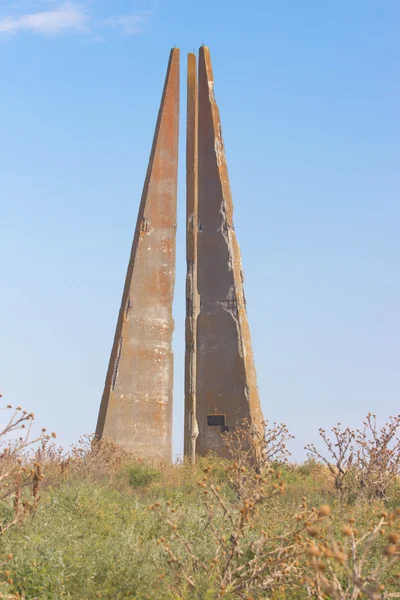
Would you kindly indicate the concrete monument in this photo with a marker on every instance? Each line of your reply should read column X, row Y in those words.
column 224, row 379
column 136, row 407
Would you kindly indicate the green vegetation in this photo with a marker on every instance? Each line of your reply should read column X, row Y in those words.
column 141, row 475
column 101, row 524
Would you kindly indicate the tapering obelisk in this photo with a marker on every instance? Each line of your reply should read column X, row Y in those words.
column 226, row 385
column 136, row 407
column 192, row 300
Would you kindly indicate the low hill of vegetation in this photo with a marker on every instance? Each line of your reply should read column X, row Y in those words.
column 97, row 523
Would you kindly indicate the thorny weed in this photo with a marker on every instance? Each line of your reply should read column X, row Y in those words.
column 5, row 569
column 241, row 562
column 378, row 455
column 250, row 559
column 341, row 454
column 341, row 563
column 362, row 461
column 90, row 457
column 252, row 450
column 20, row 474
column 310, row 554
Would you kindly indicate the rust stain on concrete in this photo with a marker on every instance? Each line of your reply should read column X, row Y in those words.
column 136, row 407
column 226, row 385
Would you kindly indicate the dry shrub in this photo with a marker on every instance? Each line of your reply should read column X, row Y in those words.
column 91, row 460
column 378, row 455
column 341, row 454
column 97, row 458
column 354, row 564
column 244, row 559
column 253, row 450
column 310, row 554
column 21, row 475
column 5, row 570
column 363, row 461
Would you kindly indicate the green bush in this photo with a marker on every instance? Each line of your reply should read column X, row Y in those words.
column 142, row 475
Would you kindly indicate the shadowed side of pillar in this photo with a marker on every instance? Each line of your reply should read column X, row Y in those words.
column 136, row 407
column 191, row 432
column 226, row 386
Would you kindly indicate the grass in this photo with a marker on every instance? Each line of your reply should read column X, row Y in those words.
column 141, row 475
column 96, row 535
column 99, row 523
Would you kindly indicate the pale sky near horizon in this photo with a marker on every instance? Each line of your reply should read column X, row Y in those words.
column 309, row 94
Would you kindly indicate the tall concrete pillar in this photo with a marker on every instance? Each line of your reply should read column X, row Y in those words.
column 136, row 407
column 226, row 386
column 192, row 301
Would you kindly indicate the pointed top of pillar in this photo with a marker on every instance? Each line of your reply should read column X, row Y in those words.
column 173, row 60
column 205, row 51
column 191, row 62
column 173, row 63
column 205, row 64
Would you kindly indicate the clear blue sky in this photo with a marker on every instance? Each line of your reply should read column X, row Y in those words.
column 309, row 94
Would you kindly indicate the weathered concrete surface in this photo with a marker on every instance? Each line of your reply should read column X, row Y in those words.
column 192, row 301
column 226, row 376
column 136, row 407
